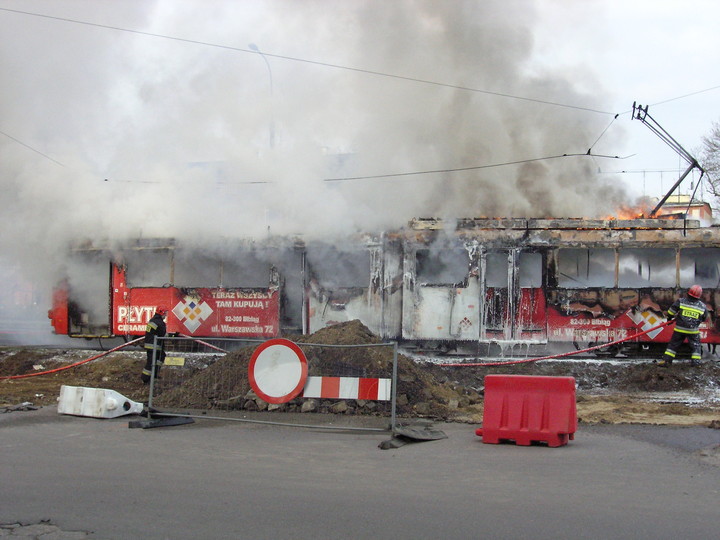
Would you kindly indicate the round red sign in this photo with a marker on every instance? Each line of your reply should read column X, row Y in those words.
column 277, row 370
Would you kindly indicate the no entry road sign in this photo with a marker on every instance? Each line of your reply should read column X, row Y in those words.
column 277, row 371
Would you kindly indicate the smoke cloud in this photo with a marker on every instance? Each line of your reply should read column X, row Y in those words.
column 112, row 134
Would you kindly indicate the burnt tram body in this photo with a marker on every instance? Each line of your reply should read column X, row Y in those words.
column 477, row 286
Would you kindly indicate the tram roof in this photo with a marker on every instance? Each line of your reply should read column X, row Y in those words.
column 553, row 223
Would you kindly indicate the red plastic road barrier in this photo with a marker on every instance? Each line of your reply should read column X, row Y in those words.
column 527, row 409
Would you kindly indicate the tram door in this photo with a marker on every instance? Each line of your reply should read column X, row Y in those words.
column 512, row 306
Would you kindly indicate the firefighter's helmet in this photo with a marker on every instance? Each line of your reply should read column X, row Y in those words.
column 695, row 291
column 160, row 310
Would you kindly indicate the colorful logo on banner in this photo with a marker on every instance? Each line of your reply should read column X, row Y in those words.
column 646, row 320
column 192, row 313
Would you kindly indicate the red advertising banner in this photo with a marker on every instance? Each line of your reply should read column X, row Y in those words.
column 196, row 312
column 201, row 312
column 585, row 328
column 227, row 313
column 604, row 315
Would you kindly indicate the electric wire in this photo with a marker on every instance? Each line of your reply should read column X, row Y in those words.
column 603, row 133
column 675, row 98
column 642, row 171
column 600, row 137
column 31, row 148
column 354, row 69
column 477, row 167
column 312, row 62
column 686, row 95
column 400, row 174
column 121, row 181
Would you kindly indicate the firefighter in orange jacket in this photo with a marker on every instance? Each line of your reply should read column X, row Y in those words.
column 689, row 313
column 155, row 327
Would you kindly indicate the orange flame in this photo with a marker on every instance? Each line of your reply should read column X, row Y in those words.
column 639, row 211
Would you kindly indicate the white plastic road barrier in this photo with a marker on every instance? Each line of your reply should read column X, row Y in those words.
column 95, row 402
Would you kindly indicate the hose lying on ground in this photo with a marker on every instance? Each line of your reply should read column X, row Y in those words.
column 462, row 364
column 560, row 355
column 201, row 342
column 73, row 365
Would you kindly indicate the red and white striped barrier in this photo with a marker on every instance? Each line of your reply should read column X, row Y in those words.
column 348, row 388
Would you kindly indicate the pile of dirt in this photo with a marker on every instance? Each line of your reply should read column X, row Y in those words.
column 40, row 385
column 353, row 353
column 625, row 376
column 607, row 391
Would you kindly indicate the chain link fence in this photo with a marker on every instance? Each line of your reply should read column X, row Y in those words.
column 199, row 379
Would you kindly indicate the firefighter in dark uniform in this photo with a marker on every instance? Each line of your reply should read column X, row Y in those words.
column 689, row 313
column 155, row 327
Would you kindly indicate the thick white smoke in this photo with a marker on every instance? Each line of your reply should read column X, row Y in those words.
column 112, row 134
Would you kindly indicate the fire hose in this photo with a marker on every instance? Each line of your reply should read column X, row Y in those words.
column 560, row 355
column 73, row 365
column 463, row 364
column 205, row 343
column 26, row 375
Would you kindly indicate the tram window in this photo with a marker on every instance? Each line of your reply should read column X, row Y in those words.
column 88, row 276
column 647, row 267
column 581, row 268
column 530, row 269
column 245, row 268
column 442, row 266
column 147, row 268
column 194, row 270
column 336, row 269
column 701, row 266
column 496, row 270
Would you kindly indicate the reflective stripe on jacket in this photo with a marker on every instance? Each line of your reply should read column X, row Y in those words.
column 689, row 314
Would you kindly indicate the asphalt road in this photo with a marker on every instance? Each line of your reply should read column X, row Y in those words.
column 215, row 479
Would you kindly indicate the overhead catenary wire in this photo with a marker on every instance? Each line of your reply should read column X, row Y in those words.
column 21, row 143
column 288, row 58
column 335, row 66
column 683, row 96
column 472, row 168
column 603, row 132
column 686, row 95
column 397, row 174
column 312, row 62
column 642, row 171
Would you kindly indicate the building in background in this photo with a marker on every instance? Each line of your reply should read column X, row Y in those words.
column 695, row 209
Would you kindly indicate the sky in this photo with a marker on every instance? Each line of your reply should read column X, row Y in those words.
column 204, row 120
column 664, row 54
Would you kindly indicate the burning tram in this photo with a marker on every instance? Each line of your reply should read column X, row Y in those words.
column 472, row 285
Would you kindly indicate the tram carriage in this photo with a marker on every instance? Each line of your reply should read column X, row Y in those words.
column 471, row 285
